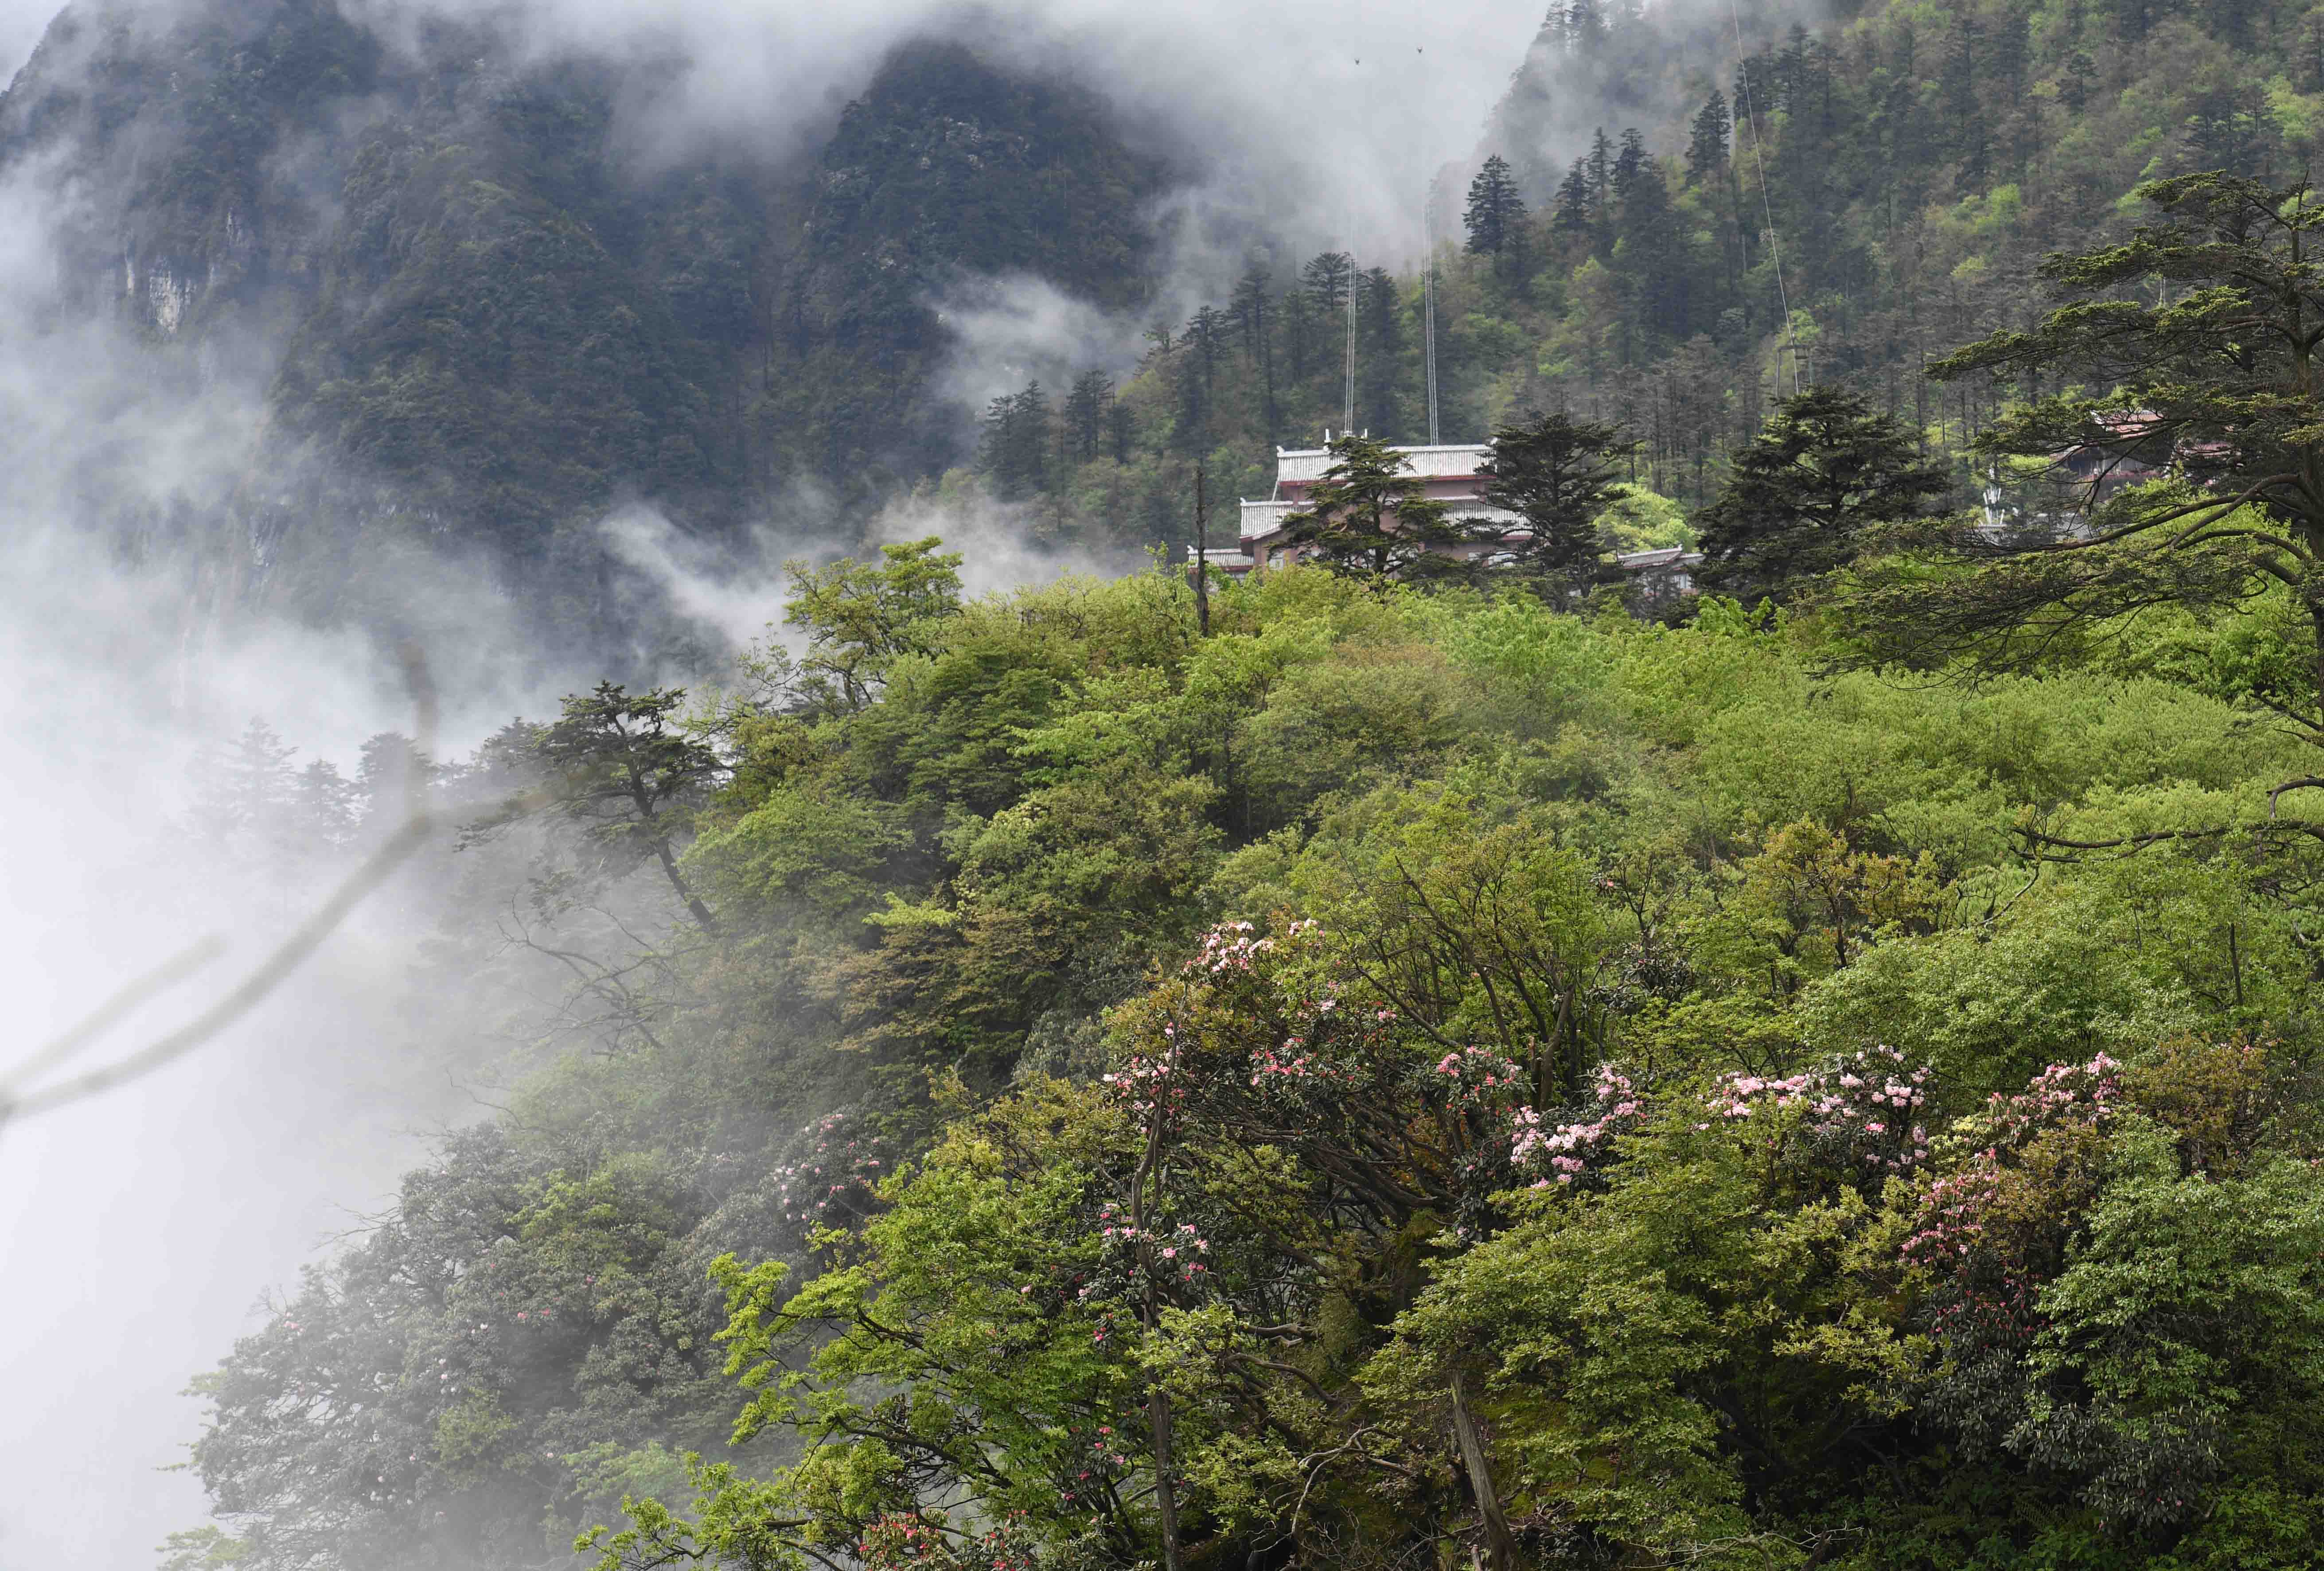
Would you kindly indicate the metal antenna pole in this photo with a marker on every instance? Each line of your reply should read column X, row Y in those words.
column 1348, row 421
column 1429, row 305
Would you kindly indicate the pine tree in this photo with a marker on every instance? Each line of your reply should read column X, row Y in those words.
column 1629, row 160
column 1369, row 518
column 1253, row 306
column 1326, row 280
column 1799, row 499
column 1573, row 212
column 1206, row 336
column 1086, row 406
column 323, row 802
column 1379, row 344
column 1014, row 453
column 244, row 789
column 1496, row 216
column 1706, row 147
column 1559, row 472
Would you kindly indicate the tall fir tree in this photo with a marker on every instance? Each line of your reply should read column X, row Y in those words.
column 1559, row 474
column 1496, row 216
column 1370, row 517
column 1706, row 147
column 1087, row 405
column 1572, row 215
column 1800, row 499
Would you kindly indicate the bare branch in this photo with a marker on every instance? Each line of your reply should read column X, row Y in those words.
column 269, row 973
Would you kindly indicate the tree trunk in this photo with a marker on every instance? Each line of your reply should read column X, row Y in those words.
column 1500, row 1541
column 1157, row 1400
column 1201, row 550
column 1166, row 1488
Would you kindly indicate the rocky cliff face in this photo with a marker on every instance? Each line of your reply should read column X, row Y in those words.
column 478, row 320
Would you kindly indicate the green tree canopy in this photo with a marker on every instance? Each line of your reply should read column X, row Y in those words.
column 1561, row 472
column 1369, row 516
column 1800, row 499
column 2187, row 353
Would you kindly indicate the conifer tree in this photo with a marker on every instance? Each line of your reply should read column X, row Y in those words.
column 2212, row 385
column 1797, row 504
column 1086, row 407
column 1572, row 211
column 1496, row 216
column 1369, row 518
column 1378, row 345
column 1629, row 160
column 1706, row 148
column 1327, row 279
column 323, row 802
column 1015, row 451
column 1559, row 472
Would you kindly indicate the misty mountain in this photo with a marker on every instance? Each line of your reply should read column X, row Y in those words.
column 481, row 311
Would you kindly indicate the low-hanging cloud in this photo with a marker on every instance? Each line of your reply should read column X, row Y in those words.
column 1329, row 119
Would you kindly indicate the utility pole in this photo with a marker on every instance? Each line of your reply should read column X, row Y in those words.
column 1201, row 550
column 1428, row 304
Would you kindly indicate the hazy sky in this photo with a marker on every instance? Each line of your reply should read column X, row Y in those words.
column 21, row 21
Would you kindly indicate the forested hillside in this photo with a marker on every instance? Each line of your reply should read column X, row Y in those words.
column 1893, row 178
column 483, row 314
column 1434, row 1070
column 484, row 323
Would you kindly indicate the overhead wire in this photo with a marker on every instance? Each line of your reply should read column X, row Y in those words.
column 1767, row 208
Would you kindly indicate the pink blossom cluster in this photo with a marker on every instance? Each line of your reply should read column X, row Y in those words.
column 1953, row 1234
column 1867, row 1107
column 1571, row 1152
column 1230, row 946
column 1175, row 1251
column 838, row 1175
column 1476, row 1077
column 1294, row 1059
column 1147, row 1082
column 902, row 1542
column 1097, row 1459
column 2060, row 1094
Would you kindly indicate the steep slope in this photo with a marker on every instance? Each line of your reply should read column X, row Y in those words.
column 483, row 318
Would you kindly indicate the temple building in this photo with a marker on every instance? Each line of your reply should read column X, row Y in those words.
column 1448, row 474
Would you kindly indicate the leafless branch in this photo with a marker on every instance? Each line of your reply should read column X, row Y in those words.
column 270, row 974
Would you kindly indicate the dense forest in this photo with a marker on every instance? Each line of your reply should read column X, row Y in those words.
column 478, row 327
column 1405, row 1061
column 1843, row 205
column 1442, row 1071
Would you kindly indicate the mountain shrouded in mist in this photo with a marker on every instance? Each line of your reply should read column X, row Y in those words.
column 482, row 318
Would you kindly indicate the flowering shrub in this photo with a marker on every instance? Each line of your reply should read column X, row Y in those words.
column 1474, row 1077
column 903, row 1542
column 1573, row 1152
column 2062, row 1315
column 1289, row 1051
column 1981, row 1227
column 1864, row 1112
column 832, row 1183
column 1177, row 1253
